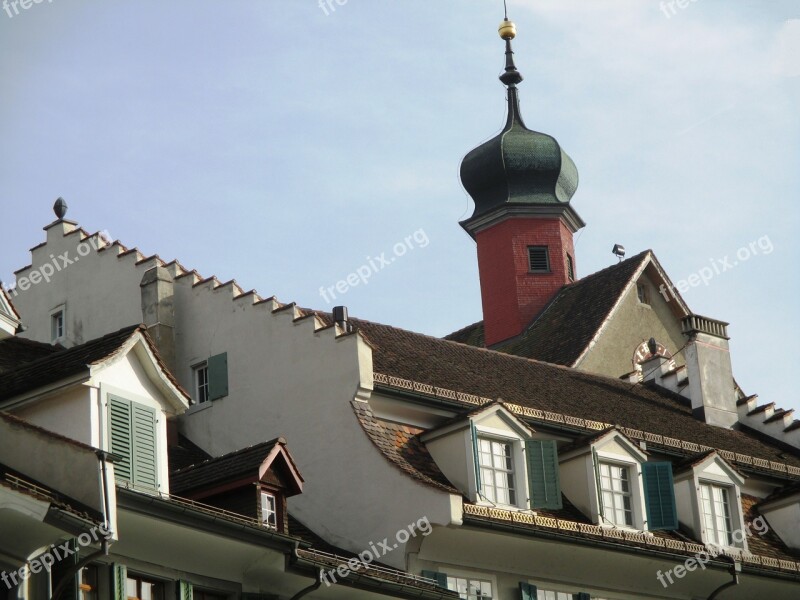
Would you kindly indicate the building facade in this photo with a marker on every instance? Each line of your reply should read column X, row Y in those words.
column 586, row 439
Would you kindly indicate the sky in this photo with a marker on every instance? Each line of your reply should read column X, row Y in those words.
column 289, row 144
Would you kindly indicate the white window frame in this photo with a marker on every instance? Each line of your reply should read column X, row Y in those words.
column 511, row 479
column 714, row 533
column 634, row 464
column 688, row 495
column 266, row 510
column 508, row 436
column 197, row 389
column 617, row 494
column 471, row 575
column 54, row 313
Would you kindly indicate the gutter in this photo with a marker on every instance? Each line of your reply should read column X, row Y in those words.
column 369, row 582
column 153, row 506
column 678, row 558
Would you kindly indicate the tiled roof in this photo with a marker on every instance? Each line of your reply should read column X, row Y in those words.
column 61, row 364
column 234, row 465
column 16, row 351
column 570, row 321
column 401, row 445
column 538, row 385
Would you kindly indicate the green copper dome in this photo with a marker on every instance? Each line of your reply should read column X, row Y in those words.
column 518, row 166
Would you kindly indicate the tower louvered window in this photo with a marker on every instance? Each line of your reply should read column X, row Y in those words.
column 538, row 259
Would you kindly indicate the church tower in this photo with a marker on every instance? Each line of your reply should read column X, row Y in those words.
column 521, row 182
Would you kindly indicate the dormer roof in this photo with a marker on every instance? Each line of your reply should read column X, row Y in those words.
column 247, row 465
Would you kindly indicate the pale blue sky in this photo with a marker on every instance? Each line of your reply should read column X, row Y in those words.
column 272, row 143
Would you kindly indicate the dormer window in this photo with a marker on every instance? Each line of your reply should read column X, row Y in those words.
column 269, row 510
column 624, row 490
column 708, row 489
column 716, row 509
column 615, row 488
column 505, row 464
column 497, row 471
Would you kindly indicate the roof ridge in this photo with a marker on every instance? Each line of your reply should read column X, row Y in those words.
column 278, row 440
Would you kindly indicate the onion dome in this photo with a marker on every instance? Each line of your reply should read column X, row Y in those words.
column 519, row 166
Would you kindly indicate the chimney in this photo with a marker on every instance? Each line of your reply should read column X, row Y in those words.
column 708, row 364
column 158, row 312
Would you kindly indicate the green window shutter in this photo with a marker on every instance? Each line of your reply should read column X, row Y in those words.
column 659, row 496
column 59, row 571
column 438, row 577
column 596, row 467
column 119, row 580
column 474, row 432
column 544, row 485
column 527, row 591
column 145, row 471
column 119, row 426
column 184, row 590
column 218, row 376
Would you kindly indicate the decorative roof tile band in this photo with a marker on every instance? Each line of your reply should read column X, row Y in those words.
column 616, row 534
column 542, row 415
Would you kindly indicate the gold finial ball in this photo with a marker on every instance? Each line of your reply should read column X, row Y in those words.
column 507, row 30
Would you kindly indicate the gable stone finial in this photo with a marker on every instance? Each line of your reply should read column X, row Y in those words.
column 60, row 208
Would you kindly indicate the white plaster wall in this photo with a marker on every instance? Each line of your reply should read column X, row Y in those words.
column 785, row 521
column 574, row 474
column 452, row 454
column 70, row 469
column 100, row 291
column 69, row 414
column 287, row 379
column 686, row 504
column 284, row 379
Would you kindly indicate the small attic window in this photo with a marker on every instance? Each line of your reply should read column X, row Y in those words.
column 642, row 293
column 538, row 259
column 57, row 324
column 269, row 510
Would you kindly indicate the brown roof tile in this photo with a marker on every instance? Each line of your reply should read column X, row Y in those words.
column 563, row 330
column 231, row 466
column 538, row 385
column 60, row 364
column 17, row 351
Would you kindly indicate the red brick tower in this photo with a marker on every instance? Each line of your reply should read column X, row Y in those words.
column 521, row 182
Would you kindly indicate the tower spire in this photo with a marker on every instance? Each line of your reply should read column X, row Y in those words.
column 510, row 76
column 522, row 182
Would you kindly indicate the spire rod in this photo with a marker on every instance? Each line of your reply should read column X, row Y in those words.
column 508, row 31
column 510, row 76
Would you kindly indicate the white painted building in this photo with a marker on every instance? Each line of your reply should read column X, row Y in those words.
column 585, row 453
